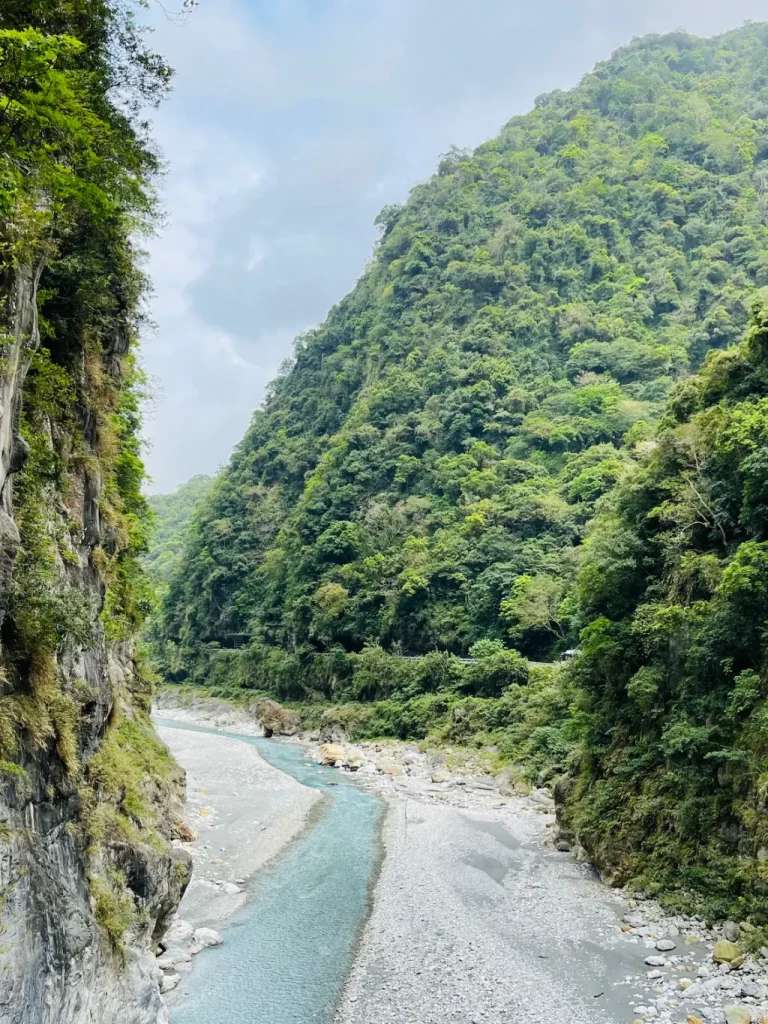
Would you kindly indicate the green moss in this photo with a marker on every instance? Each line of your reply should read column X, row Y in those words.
column 122, row 781
column 113, row 905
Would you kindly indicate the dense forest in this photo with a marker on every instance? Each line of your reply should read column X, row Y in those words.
column 171, row 515
column 493, row 451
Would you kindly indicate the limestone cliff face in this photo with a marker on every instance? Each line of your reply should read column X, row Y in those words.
column 89, row 873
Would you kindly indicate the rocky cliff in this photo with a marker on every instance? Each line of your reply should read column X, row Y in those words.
column 87, row 794
column 89, row 797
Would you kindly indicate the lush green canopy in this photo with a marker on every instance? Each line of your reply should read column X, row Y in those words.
column 421, row 475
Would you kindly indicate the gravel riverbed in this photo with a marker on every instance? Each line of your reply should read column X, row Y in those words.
column 477, row 917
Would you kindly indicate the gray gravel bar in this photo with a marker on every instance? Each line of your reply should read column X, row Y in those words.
column 475, row 921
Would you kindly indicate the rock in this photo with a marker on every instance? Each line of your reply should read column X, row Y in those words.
column 751, row 990
column 180, row 932
column 173, row 957
column 440, row 775
column 562, row 846
column 206, row 937
column 656, row 961
column 693, row 1019
column 543, row 797
column 726, row 952
column 330, row 754
column 352, row 761
column 666, row 945
column 731, row 931
column 169, row 981
column 506, row 782
column 181, row 830
column 634, row 920
column 274, row 719
column 738, row 1015
column 230, row 888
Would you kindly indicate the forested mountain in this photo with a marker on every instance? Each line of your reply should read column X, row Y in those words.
column 494, row 446
column 674, row 594
column 172, row 514
column 422, row 474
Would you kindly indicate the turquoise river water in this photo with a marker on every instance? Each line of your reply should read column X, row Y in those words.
column 287, row 953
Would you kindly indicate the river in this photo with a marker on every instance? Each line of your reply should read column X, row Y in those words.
column 287, row 953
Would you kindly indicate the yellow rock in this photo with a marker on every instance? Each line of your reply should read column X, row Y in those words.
column 330, row 753
column 738, row 1015
column 693, row 1019
column 725, row 952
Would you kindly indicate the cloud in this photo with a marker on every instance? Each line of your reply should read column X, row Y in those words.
column 291, row 124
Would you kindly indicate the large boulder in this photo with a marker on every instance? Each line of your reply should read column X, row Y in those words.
column 335, row 755
column 738, row 1015
column 726, row 952
column 274, row 719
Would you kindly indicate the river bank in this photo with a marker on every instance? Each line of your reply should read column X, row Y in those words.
column 483, row 914
column 478, row 916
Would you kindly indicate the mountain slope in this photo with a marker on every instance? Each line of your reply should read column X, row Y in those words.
column 172, row 515
column 422, row 475
column 674, row 595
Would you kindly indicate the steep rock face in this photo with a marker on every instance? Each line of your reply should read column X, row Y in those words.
column 87, row 873
column 23, row 331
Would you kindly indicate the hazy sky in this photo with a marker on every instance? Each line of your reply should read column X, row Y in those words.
column 292, row 122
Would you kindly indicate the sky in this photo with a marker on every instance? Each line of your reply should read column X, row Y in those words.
column 290, row 125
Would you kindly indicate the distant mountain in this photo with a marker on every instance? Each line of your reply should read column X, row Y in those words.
column 172, row 515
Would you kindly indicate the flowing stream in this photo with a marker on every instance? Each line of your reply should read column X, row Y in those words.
column 287, row 953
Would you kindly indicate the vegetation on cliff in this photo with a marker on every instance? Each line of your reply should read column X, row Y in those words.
column 76, row 175
column 674, row 593
column 171, row 515
column 461, row 469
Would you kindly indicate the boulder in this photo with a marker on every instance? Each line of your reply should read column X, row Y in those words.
column 179, row 932
column 726, row 952
column 206, row 937
column 330, row 754
column 274, row 719
column 731, row 931
column 752, row 990
column 665, row 945
column 181, row 830
column 738, row 1015
column 172, row 958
